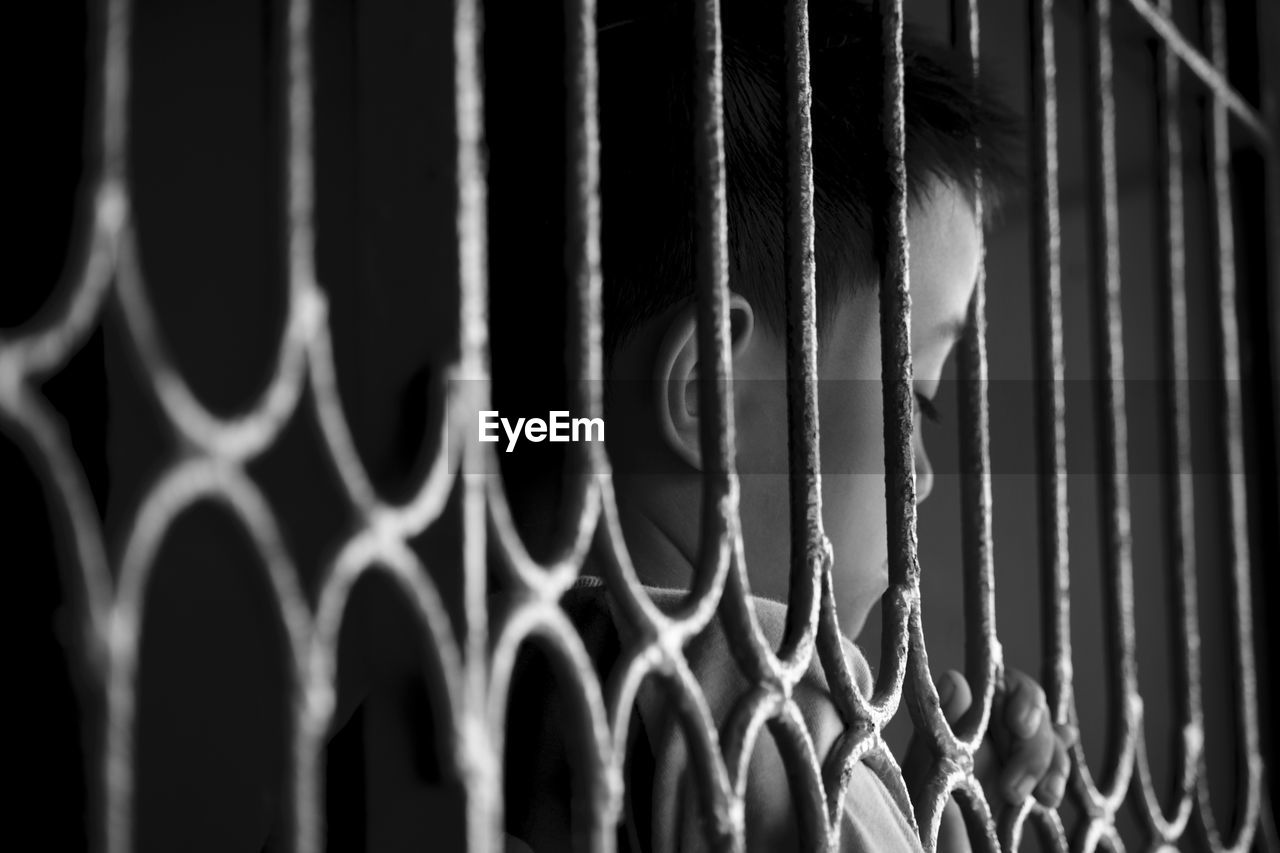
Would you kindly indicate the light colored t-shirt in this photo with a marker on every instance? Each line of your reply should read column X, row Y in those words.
column 663, row 814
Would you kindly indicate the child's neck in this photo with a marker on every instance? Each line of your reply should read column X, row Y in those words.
column 662, row 549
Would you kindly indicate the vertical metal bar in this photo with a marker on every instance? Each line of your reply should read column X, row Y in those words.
column 118, row 757
column 808, row 541
column 308, row 793
column 1112, row 423
column 583, row 210
column 482, row 773
column 1269, row 22
column 1049, row 369
column 1180, row 505
column 1050, row 385
column 720, row 485
column 1236, row 506
column 583, row 204
column 983, row 656
column 902, row 600
column 586, row 363
column 720, row 534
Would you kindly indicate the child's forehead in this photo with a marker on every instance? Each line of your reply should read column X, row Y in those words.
column 945, row 242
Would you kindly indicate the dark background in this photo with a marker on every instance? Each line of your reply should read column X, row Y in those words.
column 206, row 167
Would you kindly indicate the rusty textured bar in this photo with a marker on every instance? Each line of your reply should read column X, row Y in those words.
column 808, row 541
column 660, row 636
column 983, row 654
column 810, row 549
column 583, row 204
column 583, row 210
column 776, row 676
column 1180, row 508
column 1236, row 505
column 952, row 767
column 721, row 571
column 540, row 617
column 534, row 613
column 720, row 486
column 1209, row 73
column 902, row 599
column 216, row 450
column 953, row 751
column 1108, row 337
column 584, row 361
column 720, row 557
column 1049, row 370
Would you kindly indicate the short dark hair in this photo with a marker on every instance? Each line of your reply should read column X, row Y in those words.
column 646, row 84
column 648, row 225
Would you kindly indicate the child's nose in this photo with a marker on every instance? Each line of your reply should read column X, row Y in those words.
column 924, row 468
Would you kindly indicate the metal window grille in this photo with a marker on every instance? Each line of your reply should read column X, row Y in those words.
column 214, row 452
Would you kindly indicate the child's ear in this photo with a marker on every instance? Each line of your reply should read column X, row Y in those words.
column 676, row 375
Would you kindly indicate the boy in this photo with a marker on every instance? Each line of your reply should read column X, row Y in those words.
column 652, row 370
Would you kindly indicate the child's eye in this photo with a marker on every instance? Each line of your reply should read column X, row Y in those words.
column 927, row 408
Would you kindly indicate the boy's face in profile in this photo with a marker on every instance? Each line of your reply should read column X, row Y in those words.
column 660, row 512
column 945, row 241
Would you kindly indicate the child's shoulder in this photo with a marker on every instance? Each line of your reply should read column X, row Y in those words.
column 871, row 818
column 587, row 602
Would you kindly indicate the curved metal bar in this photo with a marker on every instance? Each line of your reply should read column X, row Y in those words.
column 1113, row 432
column 326, row 399
column 39, row 424
column 896, row 373
column 544, row 621
column 176, row 490
column 86, row 579
column 1049, row 367
column 1047, row 823
column 654, row 657
column 241, row 436
column 984, row 656
column 931, row 801
column 1168, row 829
column 585, row 362
column 972, row 801
column 720, row 527
column 1100, row 832
column 808, row 541
column 881, row 762
column 248, row 433
column 637, row 609
column 368, row 550
column 1236, row 506
column 554, row 578
column 50, row 339
column 56, row 333
column 953, row 755
column 763, row 705
column 482, row 773
column 620, row 692
column 755, row 656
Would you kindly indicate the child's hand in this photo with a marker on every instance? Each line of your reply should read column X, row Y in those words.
column 1024, row 752
column 1030, row 751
